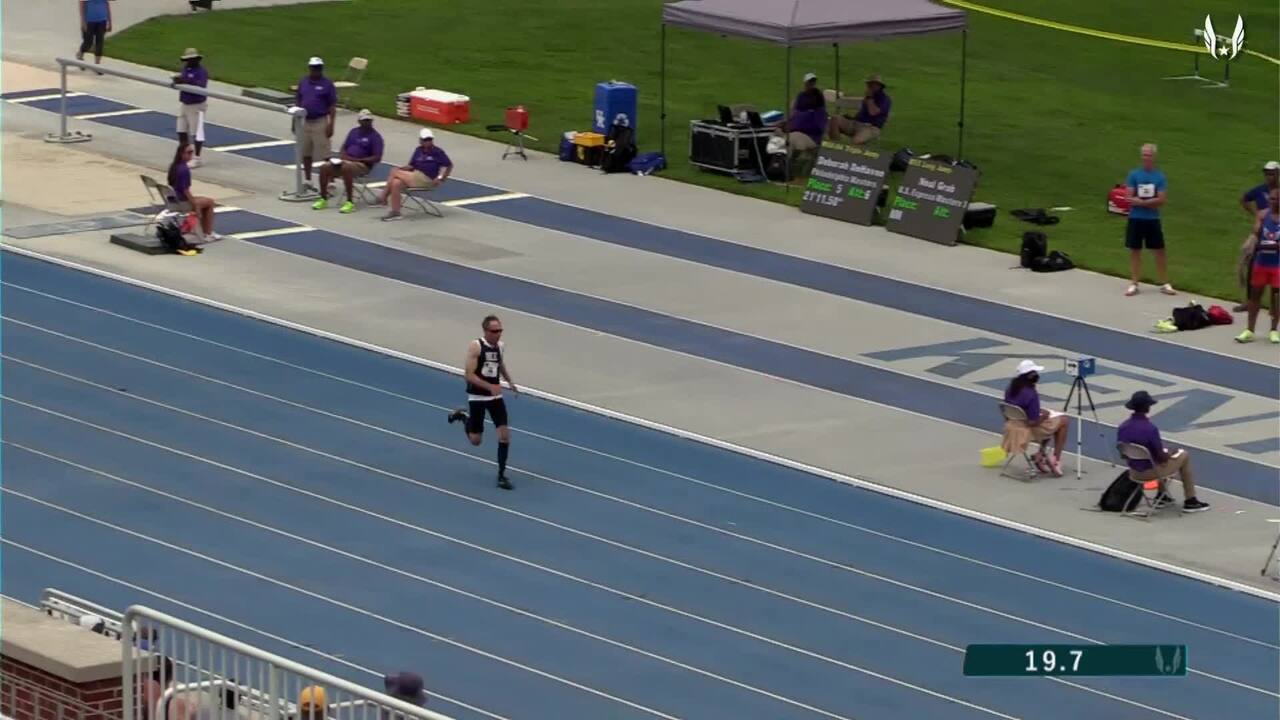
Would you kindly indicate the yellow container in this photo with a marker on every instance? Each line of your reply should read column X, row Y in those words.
column 993, row 457
column 588, row 139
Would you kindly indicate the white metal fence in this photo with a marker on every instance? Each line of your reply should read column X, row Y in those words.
column 180, row 671
column 57, row 603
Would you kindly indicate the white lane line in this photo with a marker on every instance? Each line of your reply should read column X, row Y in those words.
column 449, row 588
column 271, row 233
column 546, row 478
column 376, row 184
column 742, row 450
column 670, row 473
column 435, row 694
column 225, row 208
column 113, row 113
column 337, row 603
column 251, row 145
column 294, row 166
column 484, row 199
column 37, row 98
column 563, row 528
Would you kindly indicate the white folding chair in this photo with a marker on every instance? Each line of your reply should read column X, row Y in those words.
column 420, row 198
column 1013, row 413
column 1149, row 490
column 354, row 74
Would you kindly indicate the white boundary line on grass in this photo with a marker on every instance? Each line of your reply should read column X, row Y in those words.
column 685, row 434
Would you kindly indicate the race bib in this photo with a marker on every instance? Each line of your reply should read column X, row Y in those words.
column 1146, row 191
column 489, row 369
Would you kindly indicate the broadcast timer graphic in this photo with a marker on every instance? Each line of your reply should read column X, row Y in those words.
column 1076, row 660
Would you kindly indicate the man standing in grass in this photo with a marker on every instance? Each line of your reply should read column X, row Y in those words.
column 1146, row 188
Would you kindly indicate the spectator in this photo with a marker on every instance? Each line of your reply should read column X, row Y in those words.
column 1265, row 252
column 1041, row 424
column 1255, row 201
column 406, row 687
column 873, row 113
column 95, row 23
column 1146, row 189
column 192, row 106
column 179, row 179
column 428, row 168
column 317, row 95
column 360, row 152
column 1139, row 430
column 153, row 689
column 311, row 703
column 808, row 118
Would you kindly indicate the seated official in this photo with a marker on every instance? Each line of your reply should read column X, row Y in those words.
column 808, row 120
column 1139, row 430
column 361, row 151
column 1040, row 426
column 428, row 168
column 179, row 178
column 873, row 113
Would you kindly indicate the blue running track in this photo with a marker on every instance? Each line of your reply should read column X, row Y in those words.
column 239, row 475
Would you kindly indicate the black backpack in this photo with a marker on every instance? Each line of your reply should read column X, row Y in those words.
column 1034, row 246
column 619, row 151
column 1119, row 495
column 1054, row 262
column 1191, row 317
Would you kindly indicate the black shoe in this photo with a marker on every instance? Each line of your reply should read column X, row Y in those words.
column 457, row 415
column 1193, row 505
column 504, row 483
column 1163, row 500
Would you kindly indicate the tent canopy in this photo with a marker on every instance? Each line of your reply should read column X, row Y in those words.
column 811, row 22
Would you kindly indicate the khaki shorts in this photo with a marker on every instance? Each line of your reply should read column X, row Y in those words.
column 860, row 132
column 419, row 180
column 357, row 169
column 315, row 143
column 800, row 142
column 191, row 120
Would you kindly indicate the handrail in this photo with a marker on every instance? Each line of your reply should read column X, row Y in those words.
column 58, row 595
column 295, row 112
column 130, row 657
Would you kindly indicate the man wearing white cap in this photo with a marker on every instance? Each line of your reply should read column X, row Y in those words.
column 317, row 95
column 192, row 106
column 360, row 152
column 1254, row 201
column 1041, row 424
column 428, row 168
column 808, row 119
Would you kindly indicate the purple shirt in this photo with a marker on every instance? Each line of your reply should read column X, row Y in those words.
column 362, row 144
column 865, row 116
column 430, row 162
column 182, row 182
column 809, row 115
column 197, row 76
column 1139, row 430
column 1029, row 400
column 317, row 96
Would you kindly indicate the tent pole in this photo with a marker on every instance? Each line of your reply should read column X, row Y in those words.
column 662, row 92
column 786, row 105
column 837, row 85
column 964, row 53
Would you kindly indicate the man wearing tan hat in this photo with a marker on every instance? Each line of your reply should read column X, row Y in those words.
column 360, row 152
column 192, row 106
column 872, row 115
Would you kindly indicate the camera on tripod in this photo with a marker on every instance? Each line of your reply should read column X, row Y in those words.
column 1081, row 367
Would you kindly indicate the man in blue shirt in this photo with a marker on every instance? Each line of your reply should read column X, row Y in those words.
column 192, row 106
column 360, row 152
column 1139, row 430
column 95, row 23
column 1254, row 201
column 317, row 95
column 428, row 168
column 873, row 113
column 1146, row 188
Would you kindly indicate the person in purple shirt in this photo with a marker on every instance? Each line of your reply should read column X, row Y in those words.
column 360, row 152
column 317, row 95
column 179, row 179
column 1139, row 430
column 873, row 113
column 428, row 168
column 1041, row 424
column 95, row 23
column 808, row 119
column 192, row 106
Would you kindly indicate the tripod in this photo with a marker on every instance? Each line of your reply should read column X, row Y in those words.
column 1080, row 389
column 1271, row 559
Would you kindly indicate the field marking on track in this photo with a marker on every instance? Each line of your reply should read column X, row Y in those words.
column 50, row 96
column 235, row 623
column 482, row 599
column 581, row 533
column 228, row 208
column 252, row 145
column 337, row 603
column 271, row 233
column 704, row 483
column 113, row 113
column 815, row 470
column 484, row 199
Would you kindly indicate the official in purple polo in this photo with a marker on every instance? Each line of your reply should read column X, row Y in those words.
column 1139, row 430
column 192, row 106
column 318, row 96
column 360, row 152
column 429, row 167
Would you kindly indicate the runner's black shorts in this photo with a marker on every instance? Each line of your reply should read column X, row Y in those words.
column 1144, row 231
column 497, row 409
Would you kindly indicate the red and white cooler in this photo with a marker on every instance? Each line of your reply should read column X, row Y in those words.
column 440, row 107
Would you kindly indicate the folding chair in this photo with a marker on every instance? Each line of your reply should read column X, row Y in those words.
column 419, row 197
column 355, row 73
column 1149, row 490
column 1013, row 413
column 162, row 195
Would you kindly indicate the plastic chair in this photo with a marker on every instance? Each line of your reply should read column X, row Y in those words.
column 355, row 73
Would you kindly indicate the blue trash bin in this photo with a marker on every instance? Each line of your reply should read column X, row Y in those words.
column 615, row 101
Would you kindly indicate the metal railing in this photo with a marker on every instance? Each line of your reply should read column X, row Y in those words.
column 299, row 192
column 236, row 680
column 57, row 603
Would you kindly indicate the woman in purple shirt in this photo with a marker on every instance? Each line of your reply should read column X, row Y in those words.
column 179, row 179
column 1041, row 424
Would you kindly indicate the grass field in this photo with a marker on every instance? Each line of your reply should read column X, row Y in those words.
column 1053, row 118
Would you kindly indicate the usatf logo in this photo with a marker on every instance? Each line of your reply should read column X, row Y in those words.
column 1222, row 49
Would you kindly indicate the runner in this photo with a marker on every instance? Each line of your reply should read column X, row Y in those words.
column 1266, row 267
column 485, row 371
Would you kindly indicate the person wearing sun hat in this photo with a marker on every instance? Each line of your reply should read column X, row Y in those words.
column 192, row 106
column 1139, row 430
column 360, row 152
column 872, row 115
column 318, row 96
column 1041, row 424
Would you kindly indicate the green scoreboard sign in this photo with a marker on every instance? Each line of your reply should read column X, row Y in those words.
column 845, row 183
column 931, row 201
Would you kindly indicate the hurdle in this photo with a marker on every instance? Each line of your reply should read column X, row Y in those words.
column 1198, row 38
